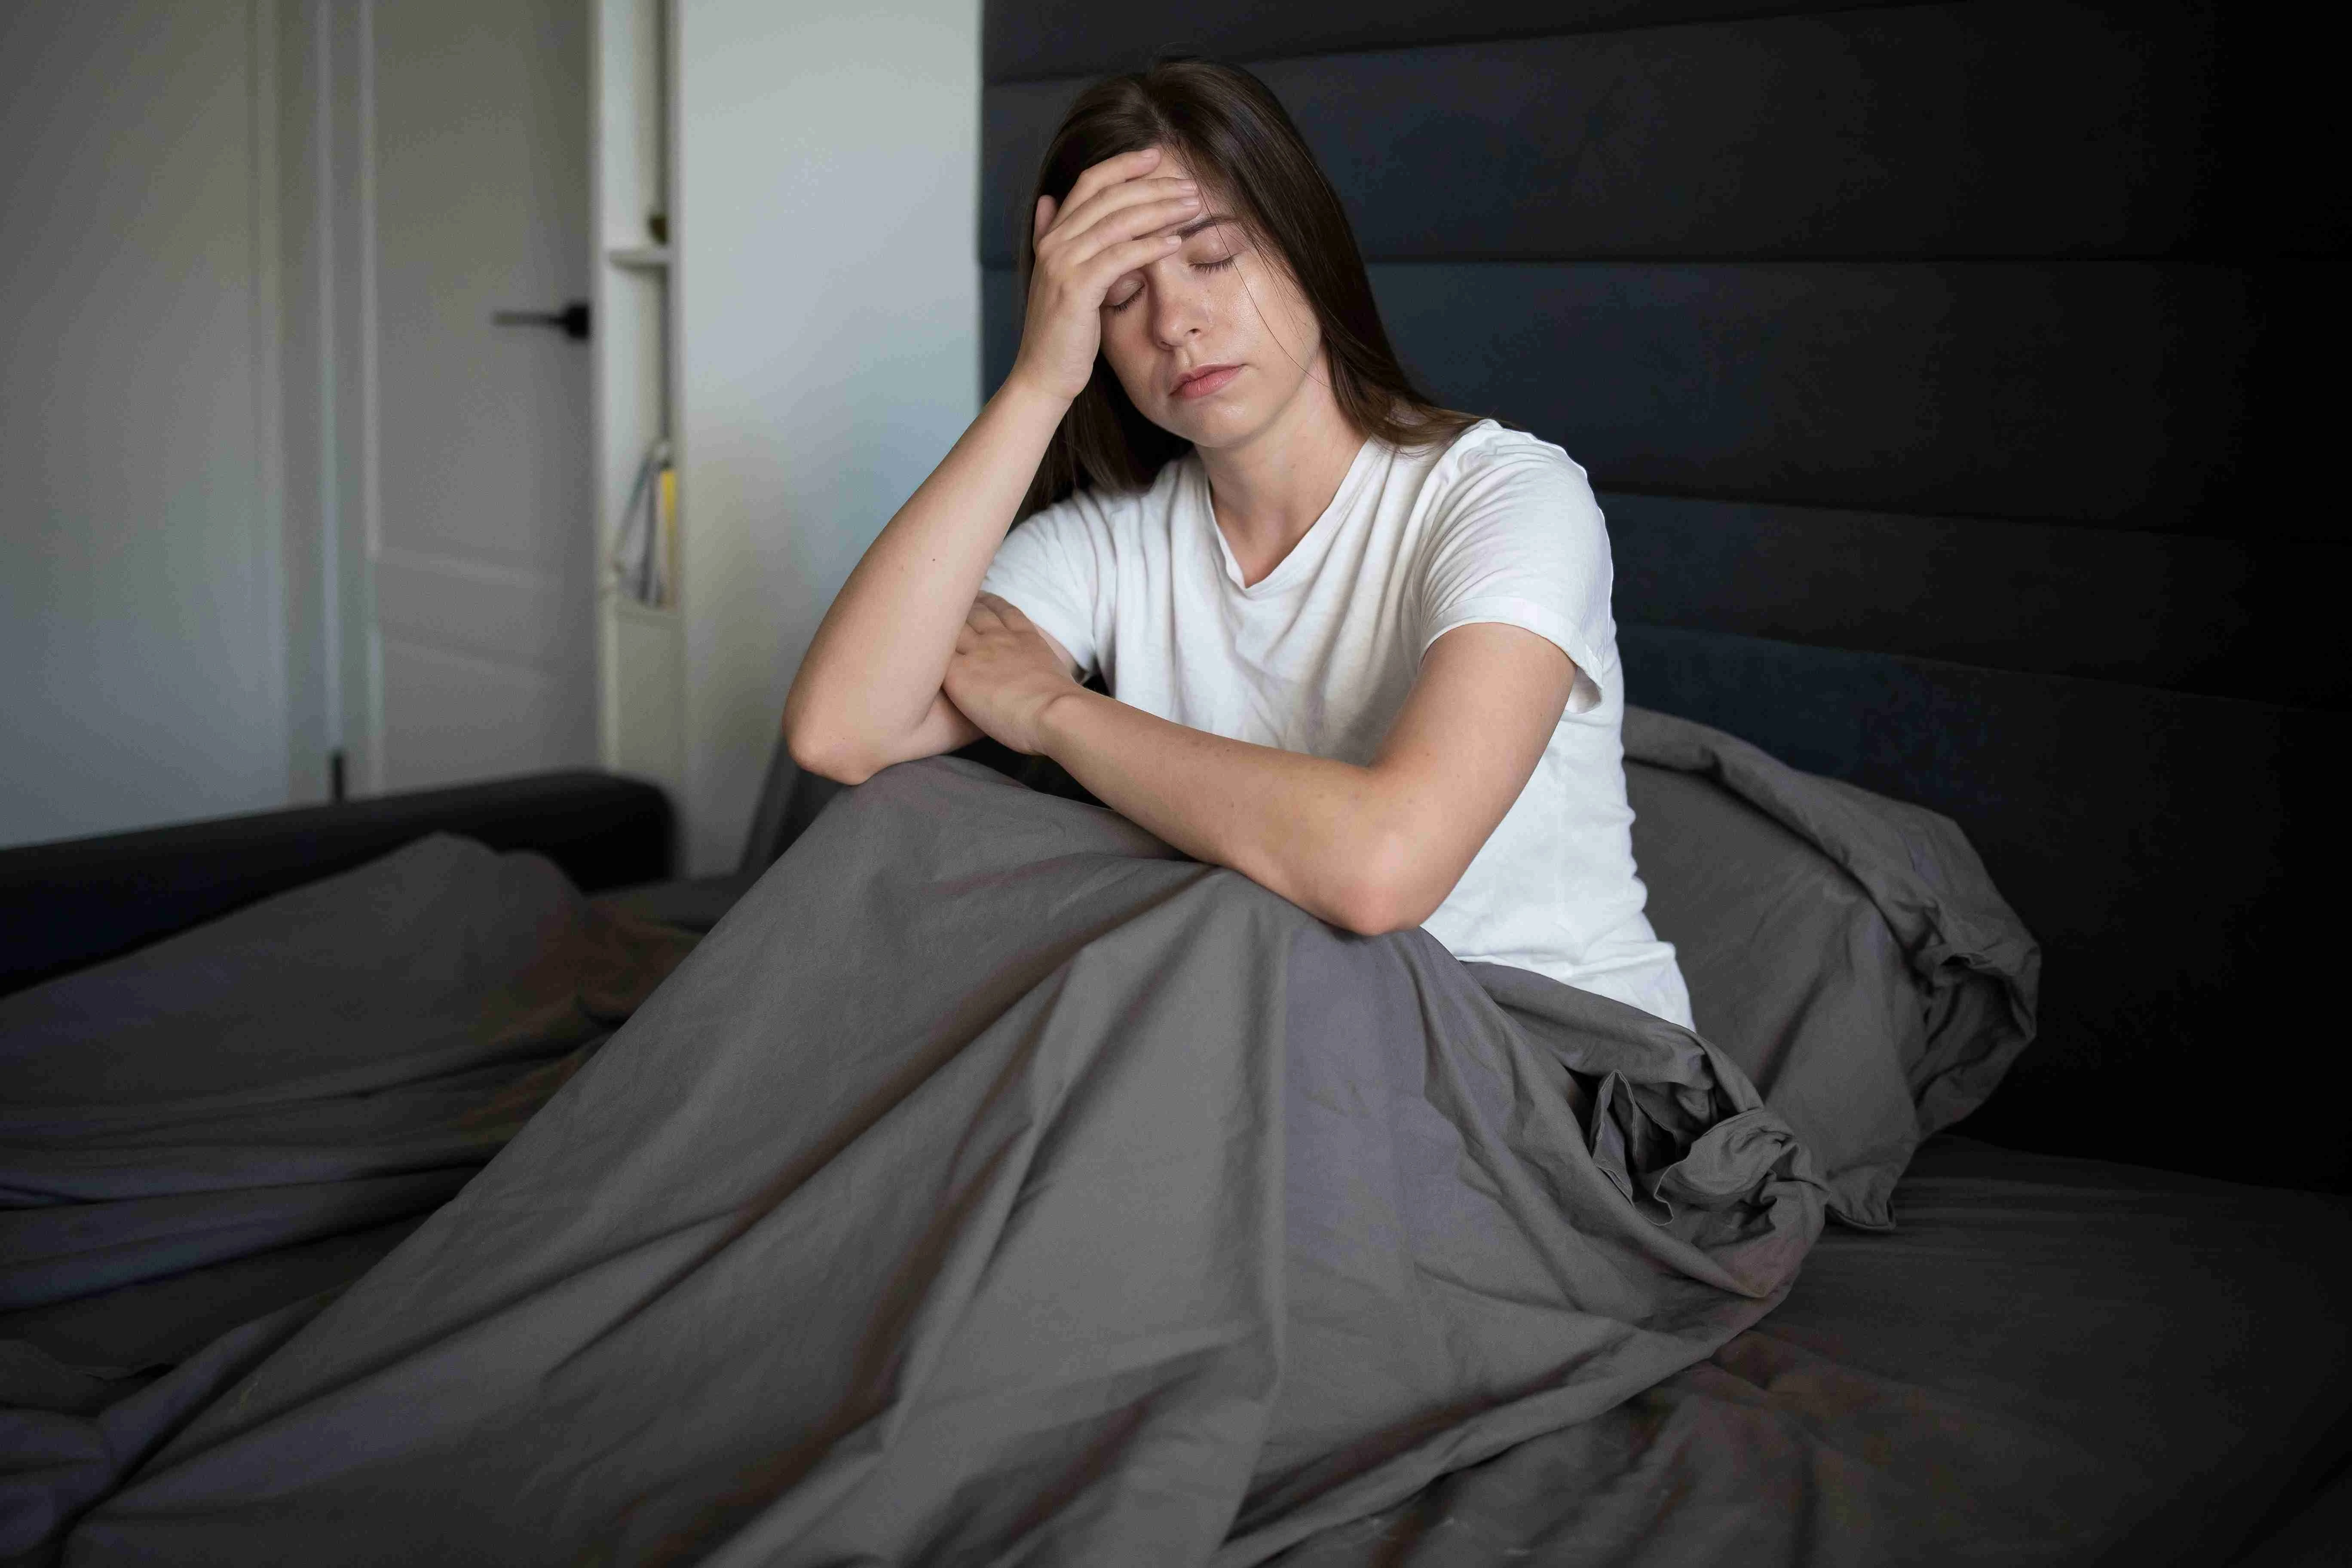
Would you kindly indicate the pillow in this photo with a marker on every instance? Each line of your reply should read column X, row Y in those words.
column 1848, row 951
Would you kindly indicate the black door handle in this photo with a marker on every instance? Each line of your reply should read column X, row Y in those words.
column 573, row 319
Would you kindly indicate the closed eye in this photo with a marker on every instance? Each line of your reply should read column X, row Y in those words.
column 1216, row 266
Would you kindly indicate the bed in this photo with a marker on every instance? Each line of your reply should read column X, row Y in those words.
column 1932, row 365
column 1987, row 1354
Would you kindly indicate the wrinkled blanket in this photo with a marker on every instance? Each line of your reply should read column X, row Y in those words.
column 994, row 1184
column 201, row 1142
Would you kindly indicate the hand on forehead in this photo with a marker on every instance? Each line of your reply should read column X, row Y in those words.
column 1173, row 165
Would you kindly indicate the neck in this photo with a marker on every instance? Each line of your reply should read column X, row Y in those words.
column 1269, row 491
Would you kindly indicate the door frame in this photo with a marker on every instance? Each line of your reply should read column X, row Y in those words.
column 326, row 192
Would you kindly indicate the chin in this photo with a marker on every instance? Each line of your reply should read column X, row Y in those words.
column 1217, row 425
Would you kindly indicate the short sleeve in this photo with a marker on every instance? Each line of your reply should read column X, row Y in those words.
column 1517, row 537
column 1051, row 567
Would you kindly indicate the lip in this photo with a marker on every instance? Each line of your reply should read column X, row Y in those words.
column 1206, row 379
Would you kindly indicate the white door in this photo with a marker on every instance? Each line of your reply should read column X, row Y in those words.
column 478, row 615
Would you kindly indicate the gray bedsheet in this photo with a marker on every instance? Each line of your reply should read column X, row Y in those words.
column 992, row 1184
column 2048, row 1361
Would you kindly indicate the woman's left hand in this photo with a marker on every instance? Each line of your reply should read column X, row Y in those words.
column 1005, row 673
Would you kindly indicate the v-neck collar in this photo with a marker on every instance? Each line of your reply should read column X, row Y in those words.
column 1289, row 568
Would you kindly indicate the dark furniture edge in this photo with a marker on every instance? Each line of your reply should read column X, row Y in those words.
column 71, row 903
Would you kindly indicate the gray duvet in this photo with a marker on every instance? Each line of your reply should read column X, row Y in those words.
column 201, row 1142
column 993, row 1185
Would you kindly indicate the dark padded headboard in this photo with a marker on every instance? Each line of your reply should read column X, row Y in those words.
column 1955, row 379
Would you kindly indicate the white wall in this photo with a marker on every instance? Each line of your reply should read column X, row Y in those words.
column 829, row 320
column 141, row 622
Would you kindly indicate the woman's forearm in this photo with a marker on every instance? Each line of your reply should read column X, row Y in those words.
column 1316, row 830
column 871, row 677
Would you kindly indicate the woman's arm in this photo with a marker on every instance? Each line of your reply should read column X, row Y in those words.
column 1371, row 848
column 868, row 693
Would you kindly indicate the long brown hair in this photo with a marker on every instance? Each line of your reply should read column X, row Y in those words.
column 1234, row 136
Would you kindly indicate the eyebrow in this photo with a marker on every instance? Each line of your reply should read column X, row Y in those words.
column 1198, row 223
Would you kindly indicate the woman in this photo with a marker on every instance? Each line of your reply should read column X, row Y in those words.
column 994, row 1184
column 1359, row 647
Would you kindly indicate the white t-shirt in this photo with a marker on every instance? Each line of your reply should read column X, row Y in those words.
column 1320, row 655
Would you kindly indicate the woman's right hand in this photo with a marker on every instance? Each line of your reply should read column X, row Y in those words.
column 1111, row 224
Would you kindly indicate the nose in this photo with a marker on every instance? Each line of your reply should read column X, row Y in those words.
column 1180, row 305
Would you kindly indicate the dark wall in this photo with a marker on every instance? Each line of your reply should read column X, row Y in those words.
column 1957, row 379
